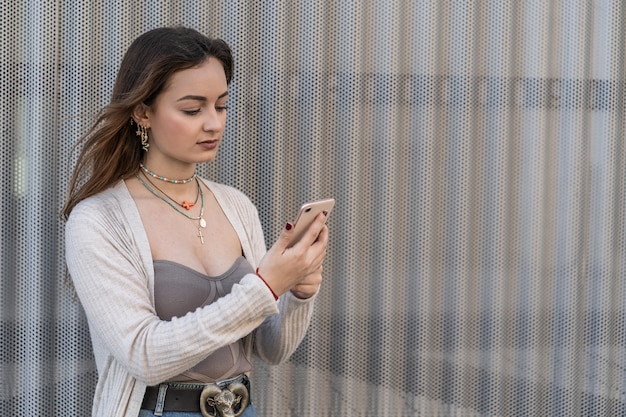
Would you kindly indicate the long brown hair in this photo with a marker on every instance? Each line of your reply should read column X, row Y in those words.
column 110, row 149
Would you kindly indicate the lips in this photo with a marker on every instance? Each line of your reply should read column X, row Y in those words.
column 209, row 144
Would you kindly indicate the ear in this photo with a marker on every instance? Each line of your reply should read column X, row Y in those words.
column 140, row 115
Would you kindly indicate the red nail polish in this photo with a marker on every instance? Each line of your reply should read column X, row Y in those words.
column 288, row 226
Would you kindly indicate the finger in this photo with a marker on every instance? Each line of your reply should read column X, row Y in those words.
column 317, row 254
column 320, row 246
column 312, row 278
column 285, row 237
column 313, row 231
column 305, row 290
column 322, row 237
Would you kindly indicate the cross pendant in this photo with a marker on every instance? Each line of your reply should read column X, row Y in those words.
column 187, row 205
column 200, row 235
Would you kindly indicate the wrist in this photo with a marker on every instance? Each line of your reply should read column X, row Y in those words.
column 266, row 284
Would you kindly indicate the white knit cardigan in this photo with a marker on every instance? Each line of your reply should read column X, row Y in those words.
column 109, row 260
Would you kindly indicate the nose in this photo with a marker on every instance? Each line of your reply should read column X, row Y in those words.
column 214, row 121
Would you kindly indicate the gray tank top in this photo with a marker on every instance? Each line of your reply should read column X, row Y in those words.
column 178, row 290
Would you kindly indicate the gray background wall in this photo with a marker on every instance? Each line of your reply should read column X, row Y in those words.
column 476, row 152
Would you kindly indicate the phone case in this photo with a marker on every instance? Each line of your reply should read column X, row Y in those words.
column 307, row 214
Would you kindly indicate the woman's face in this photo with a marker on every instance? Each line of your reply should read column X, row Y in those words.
column 187, row 119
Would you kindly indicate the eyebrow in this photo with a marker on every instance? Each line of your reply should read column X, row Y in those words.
column 201, row 98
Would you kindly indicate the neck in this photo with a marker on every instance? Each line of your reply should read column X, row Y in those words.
column 169, row 178
column 176, row 189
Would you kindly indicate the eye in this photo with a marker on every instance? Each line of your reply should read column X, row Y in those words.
column 221, row 108
column 191, row 112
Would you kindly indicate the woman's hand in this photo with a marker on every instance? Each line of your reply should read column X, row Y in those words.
column 308, row 286
column 297, row 268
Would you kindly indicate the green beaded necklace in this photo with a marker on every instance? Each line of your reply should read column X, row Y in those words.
column 165, row 179
column 187, row 205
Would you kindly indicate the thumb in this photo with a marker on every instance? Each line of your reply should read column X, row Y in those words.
column 285, row 238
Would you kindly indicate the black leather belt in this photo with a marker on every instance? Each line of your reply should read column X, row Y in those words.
column 231, row 395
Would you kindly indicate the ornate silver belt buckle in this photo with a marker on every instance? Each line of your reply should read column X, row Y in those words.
column 228, row 402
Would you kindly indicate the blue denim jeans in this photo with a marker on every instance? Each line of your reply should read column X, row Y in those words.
column 250, row 412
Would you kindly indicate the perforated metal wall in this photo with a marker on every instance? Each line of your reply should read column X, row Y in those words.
column 476, row 152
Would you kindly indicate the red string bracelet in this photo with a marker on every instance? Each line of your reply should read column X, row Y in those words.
column 265, row 282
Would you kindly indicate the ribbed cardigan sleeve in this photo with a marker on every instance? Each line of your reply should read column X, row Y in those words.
column 279, row 335
column 108, row 258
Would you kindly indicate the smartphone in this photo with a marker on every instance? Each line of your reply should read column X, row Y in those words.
column 307, row 213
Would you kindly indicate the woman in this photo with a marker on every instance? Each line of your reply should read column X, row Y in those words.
column 171, row 269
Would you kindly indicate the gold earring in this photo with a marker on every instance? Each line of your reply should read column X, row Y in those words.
column 142, row 132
